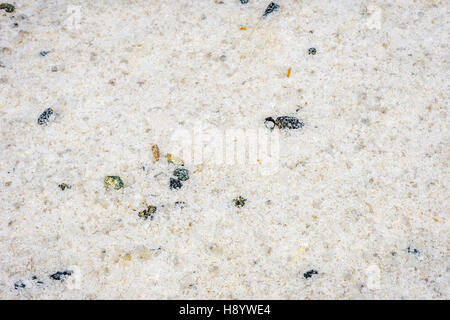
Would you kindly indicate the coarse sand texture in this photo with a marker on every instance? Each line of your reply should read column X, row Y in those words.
column 115, row 182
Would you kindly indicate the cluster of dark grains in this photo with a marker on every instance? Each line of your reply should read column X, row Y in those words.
column 239, row 202
column 7, row 7
column 44, row 53
column 64, row 186
column 244, row 1
column 175, row 183
column 272, row 7
column 147, row 213
column 312, row 51
column 413, row 250
column 19, row 285
column 181, row 173
column 60, row 275
column 44, row 118
column 113, row 182
column 35, row 278
column 310, row 273
column 284, row 122
column 180, row 204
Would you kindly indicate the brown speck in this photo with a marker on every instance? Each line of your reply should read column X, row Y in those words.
column 156, row 153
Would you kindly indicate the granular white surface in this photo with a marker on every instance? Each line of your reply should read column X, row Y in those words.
column 360, row 194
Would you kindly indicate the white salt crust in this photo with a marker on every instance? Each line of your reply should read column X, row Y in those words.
column 364, row 180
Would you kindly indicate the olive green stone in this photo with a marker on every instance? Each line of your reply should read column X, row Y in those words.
column 113, row 182
column 181, row 173
column 7, row 7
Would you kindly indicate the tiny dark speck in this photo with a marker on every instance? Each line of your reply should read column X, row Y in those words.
column 244, row 1
column 413, row 250
column 19, row 285
column 44, row 53
column 312, row 51
column 310, row 273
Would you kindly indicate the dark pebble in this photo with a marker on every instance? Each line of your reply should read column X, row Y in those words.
column 44, row 118
column 181, row 173
column 309, row 274
column 175, row 183
column 64, row 186
column 271, row 8
column 60, row 275
column 244, row 1
column 312, row 51
column 44, row 53
column 239, row 202
column 286, row 122
column 7, row 7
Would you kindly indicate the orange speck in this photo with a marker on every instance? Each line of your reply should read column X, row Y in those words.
column 288, row 73
column 243, row 28
column 306, row 102
column 435, row 219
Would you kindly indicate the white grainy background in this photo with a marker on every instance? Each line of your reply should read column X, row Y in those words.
column 364, row 180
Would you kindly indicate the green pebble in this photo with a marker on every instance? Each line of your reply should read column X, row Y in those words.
column 7, row 7
column 113, row 182
column 181, row 173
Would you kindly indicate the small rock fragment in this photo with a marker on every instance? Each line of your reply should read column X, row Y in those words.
column 44, row 53
column 64, row 186
column 44, row 118
column 19, row 285
column 244, row 1
column 310, row 273
column 286, row 122
column 312, row 51
column 155, row 151
column 7, row 7
column 239, row 202
column 147, row 213
column 272, row 7
column 61, row 275
column 175, row 183
column 181, row 173
column 113, row 182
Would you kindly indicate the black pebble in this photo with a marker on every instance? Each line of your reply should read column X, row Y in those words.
column 310, row 273
column 44, row 53
column 271, row 8
column 244, row 1
column 19, row 285
column 60, row 275
column 239, row 202
column 286, row 122
column 312, row 51
column 175, row 183
column 45, row 116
